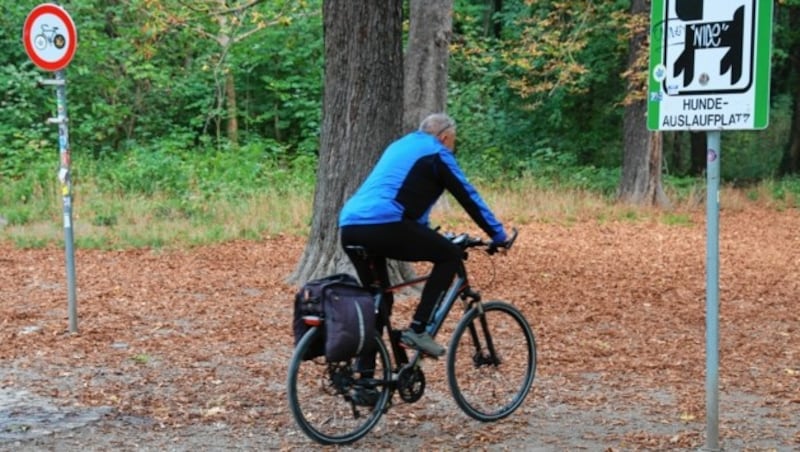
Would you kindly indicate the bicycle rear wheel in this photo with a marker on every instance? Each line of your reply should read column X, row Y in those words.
column 327, row 399
column 492, row 361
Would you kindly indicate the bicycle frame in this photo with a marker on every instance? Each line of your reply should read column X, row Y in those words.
column 459, row 288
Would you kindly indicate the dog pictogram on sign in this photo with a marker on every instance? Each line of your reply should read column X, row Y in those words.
column 711, row 35
column 710, row 50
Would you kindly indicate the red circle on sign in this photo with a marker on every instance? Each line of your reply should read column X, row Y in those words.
column 72, row 37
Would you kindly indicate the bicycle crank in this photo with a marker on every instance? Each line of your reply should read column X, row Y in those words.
column 410, row 383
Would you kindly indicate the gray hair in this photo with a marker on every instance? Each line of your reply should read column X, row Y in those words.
column 437, row 123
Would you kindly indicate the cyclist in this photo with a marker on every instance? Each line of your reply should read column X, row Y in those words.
column 388, row 215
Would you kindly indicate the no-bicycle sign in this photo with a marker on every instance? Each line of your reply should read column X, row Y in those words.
column 49, row 37
column 709, row 64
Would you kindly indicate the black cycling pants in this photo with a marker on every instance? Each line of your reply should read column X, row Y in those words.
column 405, row 241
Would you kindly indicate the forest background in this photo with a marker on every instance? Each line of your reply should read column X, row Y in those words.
column 199, row 123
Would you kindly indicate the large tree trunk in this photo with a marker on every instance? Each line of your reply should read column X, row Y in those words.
column 361, row 114
column 642, row 153
column 426, row 60
column 641, row 166
column 790, row 163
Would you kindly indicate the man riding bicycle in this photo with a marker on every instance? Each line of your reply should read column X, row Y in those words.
column 388, row 215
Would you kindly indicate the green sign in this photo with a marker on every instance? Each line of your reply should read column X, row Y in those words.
column 709, row 64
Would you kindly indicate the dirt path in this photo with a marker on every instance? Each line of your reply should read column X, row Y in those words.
column 187, row 350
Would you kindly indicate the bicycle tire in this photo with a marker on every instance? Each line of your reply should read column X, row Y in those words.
column 490, row 386
column 40, row 41
column 321, row 394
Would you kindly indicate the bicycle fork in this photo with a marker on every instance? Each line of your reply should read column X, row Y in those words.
column 481, row 358
column 485, row 353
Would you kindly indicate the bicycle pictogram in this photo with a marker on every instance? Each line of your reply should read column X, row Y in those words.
column 49, row 35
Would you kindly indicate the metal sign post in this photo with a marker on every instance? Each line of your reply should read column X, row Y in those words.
column 50, row 39
column 710, row 70
column 712, row 291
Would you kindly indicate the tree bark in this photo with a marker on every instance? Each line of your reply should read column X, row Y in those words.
column 641, row 166
column 791, row 158
column 699, row 153
column 491, row 26
column 426, row 63
column 643, row 150
column 361, row 114
column 673, row 155
column 233, row 109
column 790, row 163
column 425, row 81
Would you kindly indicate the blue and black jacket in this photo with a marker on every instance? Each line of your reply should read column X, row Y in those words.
column 406, row 182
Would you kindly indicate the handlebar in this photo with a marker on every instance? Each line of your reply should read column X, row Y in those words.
column 465, row 241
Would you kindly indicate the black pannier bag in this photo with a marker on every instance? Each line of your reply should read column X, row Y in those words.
column 347, row 311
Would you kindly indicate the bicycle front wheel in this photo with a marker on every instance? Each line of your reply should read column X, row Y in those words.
column 334, row 402
column 492, row 361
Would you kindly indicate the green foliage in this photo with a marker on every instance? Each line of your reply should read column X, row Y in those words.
column 148, row 117
column 786, row 190
column 153, row 72
column 570, row 73
column 541, row 86
column 751, row 156
column 284, row 68
column 23, row 129
column 201, row 174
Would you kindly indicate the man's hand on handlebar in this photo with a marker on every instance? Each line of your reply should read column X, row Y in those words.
column 496, row 246
column 465, row 241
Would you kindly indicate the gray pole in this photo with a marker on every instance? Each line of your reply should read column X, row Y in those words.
column 712, row 292
column 64, row 177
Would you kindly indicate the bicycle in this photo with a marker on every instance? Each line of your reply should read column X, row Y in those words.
column 491, row 364
column 49, row 35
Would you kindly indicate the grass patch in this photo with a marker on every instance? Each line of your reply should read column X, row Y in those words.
column 103, row 220
column 677, row 219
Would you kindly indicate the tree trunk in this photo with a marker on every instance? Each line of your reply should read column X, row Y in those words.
column 233, row 112
column 491, row 26
column 643, row 150
column 790, row 163
column 641, row 166
column 425, row 69
column 427, row 60
column 699, row 153
column 674, row 154
column 361, row 114
column 791, row 158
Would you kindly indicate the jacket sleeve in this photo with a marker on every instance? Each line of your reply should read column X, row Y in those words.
column 457, row 184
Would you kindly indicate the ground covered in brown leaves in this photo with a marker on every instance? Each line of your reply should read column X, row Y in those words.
column 188, row 350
